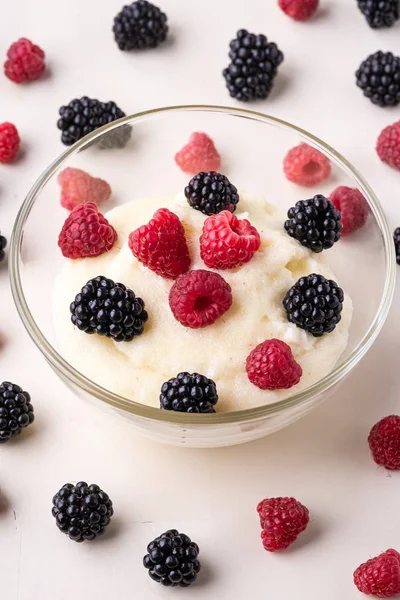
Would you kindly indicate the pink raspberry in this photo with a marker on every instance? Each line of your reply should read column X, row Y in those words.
column 282, row 520
column 388, row 145
column 199, row 298
column 271, row 366
column 199, row 154
column 299, row 10
column 161, row 245
column 78, row 187
column 86, row 233
column 384, row 442
column 379, row 576
column 306, row 165
column 9, row 142
column 227, row 241
column 352, row 206
column 25, row 61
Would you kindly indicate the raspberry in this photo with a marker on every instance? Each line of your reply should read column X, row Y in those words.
column 199, row 298
column 199, row 154
column 86, row 233
column 282, row 520
column 271, row 366
column 25, row 61
column 379, row 576
column 306, row 165
column 9, row 142
column 299, row 10
column 384, row 442
column 388, row 145
column 353, row 207
column 161, row 245
column 227, row 241
column 78, row 187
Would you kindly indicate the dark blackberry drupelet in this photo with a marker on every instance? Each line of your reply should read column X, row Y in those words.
column 379, row 13
column 211, row 193
column 396, row 237
column 16, row 410
column 172, row 559
column 314, row 304
column 254, row 63
column 191, row 393
column 84, row 115
column 315, row 223
column 3, row 244
column 140, row 25
column 82, row 511
column 379, row 78
column 109, row 309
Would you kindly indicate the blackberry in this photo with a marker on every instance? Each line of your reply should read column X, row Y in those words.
column 82, row 116
column 315, row 223
column 314, row 304
column 379, row 13
column 172, row 559
column 211, row 193
column 16, row 410
column 396, row 237
column 191, row 393
column 109, row 309
column 82, row 511
column 254, row 63
column 3, row 244
column 379, row 78
column 140, row 25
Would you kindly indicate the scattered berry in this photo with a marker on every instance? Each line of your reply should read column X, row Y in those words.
column 172, row 559
column 379, row 13
column 379, row 78
column 161, row 245
column 9, row 142
column 315, row 223
column 16, row 410
column 25, row 61
column 82, row 511
column 271, row 366
column 379, row 576
column 384, row 442
column 306, row 165
column 314, row 304
column 299, row 10
column 78, row 187
column 282, row 520
column 353, row 207
column 86, row 233
column 191, row 393
column 3, row 244
column 227, row 241
column 199, row 298
column 85, row 115
column 254, row 64
column 396, row 237
column 211, row 193
column 388, row 145
column 140, row 25
column 199, row 154
column 109, row 309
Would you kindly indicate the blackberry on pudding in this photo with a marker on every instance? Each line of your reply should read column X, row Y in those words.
column 315, row 223
column 191, row 393
column 211, row 193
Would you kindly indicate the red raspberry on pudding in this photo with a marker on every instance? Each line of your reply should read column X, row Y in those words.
column 379, row 576
column 25, row 61
column 282, row 520
column 161, row 245
column 306, row 165
column 227, row 241
column 271, row 366
column 199, row 154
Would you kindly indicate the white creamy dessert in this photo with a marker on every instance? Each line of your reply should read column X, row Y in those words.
column 137, row 369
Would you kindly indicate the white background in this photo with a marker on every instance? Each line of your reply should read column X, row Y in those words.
column 210, row 494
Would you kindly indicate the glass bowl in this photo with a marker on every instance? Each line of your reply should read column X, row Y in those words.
column 252, row 146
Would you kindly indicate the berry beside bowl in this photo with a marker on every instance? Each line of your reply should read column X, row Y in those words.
column 189, row 340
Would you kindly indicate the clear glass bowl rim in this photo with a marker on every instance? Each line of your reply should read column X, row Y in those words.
column 155, row 414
